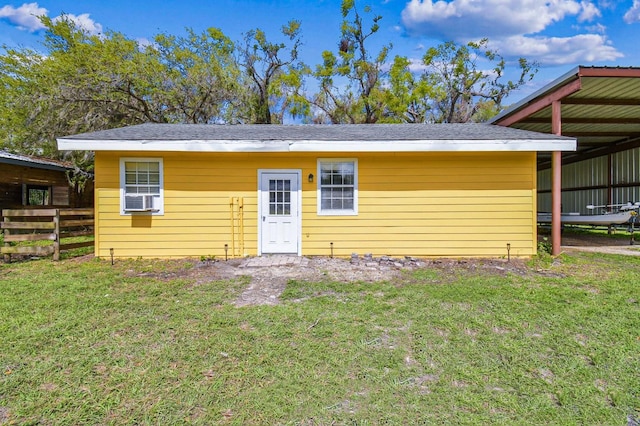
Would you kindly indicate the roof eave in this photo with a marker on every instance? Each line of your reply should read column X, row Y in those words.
column 244, row 146
column 35, row 165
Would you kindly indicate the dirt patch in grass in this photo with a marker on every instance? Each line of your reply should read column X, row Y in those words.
column 4, row 414
column 267, row 283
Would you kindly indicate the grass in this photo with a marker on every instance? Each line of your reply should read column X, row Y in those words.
column 84, row 342
column 64, row 254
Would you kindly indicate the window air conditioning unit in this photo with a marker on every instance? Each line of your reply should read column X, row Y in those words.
column 138, row 203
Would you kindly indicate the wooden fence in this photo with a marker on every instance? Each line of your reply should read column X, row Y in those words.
column 53, row 225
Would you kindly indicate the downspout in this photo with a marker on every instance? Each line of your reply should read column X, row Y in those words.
column 556, row 187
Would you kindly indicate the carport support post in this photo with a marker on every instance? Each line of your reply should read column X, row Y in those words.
column 556, row 201
column 556, row 187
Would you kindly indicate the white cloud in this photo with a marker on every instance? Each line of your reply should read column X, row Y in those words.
column 514, row 26
column 416, row 65
column 589, row 12
column 83, row 21
column 586, row 48
column 24, row 17
column 144, row 42
column 596, row 28
column 491, row 18
column 633, row 14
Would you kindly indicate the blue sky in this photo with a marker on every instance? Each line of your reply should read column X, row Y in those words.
column 558, row 34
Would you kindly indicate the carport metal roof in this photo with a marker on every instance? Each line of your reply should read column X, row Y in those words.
column 600, row 107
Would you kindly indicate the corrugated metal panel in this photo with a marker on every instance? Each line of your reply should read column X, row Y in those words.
column 607, row 87
column 544, row 180
column 577, row 201
column 624, row 195
column 591, row 172
column 544, row 202
column 626, row 166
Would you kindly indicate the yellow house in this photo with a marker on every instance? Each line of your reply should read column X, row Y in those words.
column 167, row 190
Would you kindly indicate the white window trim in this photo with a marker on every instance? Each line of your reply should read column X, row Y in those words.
column 159, row 201
column 321, row 212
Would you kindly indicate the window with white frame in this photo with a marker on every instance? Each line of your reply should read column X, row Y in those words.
column 141, row 185
column 338, row 187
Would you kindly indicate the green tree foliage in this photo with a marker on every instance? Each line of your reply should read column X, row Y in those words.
column 83, row 82
column 462, row 91
column 197, row 78
column 87, row 82
column 274, row 75
column 406, row 95
column 351, row 81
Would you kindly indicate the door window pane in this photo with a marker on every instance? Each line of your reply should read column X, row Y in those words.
column 279, row 197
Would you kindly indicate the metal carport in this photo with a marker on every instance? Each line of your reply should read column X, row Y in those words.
column 599, row 106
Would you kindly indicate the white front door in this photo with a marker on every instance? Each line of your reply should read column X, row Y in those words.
column 279, row 212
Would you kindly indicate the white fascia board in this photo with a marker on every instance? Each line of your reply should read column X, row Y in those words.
column 173, row 145
column 320, row 145
column 435, row 145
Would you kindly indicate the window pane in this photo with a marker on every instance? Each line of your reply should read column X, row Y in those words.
column 347, row 168
column 337, row 186
column 325, row 178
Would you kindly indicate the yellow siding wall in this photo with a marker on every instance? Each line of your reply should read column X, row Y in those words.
column 431, row 204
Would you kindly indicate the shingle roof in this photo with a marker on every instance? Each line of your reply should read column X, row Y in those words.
column 37, row 162
column 315, row 138
column 344, row 132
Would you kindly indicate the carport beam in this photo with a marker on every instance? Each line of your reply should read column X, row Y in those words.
column 556, row 187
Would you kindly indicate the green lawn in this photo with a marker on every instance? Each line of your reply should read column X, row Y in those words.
column 84, row 342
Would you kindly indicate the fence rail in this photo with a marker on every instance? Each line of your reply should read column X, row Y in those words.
column 53, row 225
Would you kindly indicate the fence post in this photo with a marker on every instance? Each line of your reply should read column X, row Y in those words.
column 7, row 257
column 56, row 242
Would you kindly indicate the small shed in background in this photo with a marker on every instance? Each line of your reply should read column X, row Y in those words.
column 34, row 182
